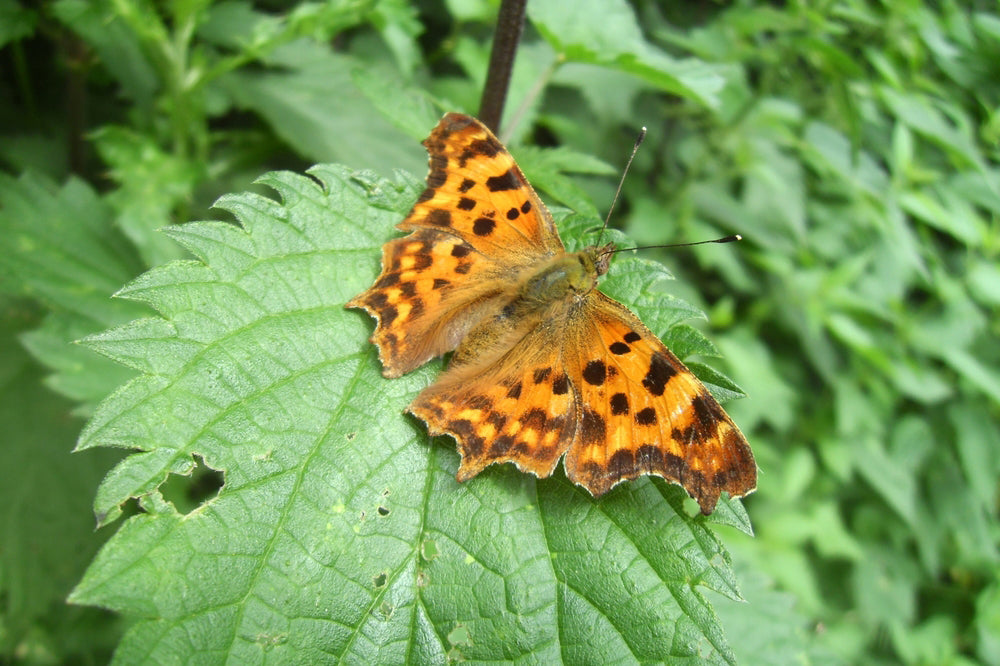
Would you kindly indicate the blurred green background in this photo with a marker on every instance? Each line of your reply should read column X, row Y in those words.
column 854, row 145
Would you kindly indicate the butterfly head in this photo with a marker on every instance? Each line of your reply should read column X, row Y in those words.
column 602, row 257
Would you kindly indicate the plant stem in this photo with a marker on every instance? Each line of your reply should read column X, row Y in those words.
column 510, row 21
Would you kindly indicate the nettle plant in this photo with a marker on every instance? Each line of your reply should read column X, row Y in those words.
column 268, row 499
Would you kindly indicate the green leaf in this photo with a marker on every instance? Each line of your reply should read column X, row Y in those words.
column 604, row 32
column 77, row 372
column 151, row 185
column 407, row 107
column 48, row 533
column 340, row 531
column 923, row 116
column 775, row 632
column 120, row 50
column 988, row 623
column 65, row 252
column 547, row 169
column 976, row 435
column 315, row 107
column 16, row 22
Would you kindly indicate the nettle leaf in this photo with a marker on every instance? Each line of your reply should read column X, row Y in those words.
column 65, row 252
column 607, row 33
column 340, row 532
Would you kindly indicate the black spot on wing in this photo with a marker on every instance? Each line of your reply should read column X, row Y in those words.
column 595, row 373
column 501, row 445
column 648, row 458
column 438, row 175
column 621, row 464
column 439, row 217
column 707, row 411
column 508, row 180
column 387, row 315
column 619, row 348
column 619, row 404
column 487, row 147
column 497, row 419
column 466, row 433
column 483, row 226
column 592, row 428
column 387, row 280
column 416, row 308
column 659, row 373
column 674, row 467
column 646, row 416
column 535, row 419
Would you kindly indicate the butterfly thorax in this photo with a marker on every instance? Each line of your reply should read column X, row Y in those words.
column 564, row 277
column 552, row 291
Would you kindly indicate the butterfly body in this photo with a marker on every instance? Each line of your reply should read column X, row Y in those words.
column 545, row 365
column 563, row 279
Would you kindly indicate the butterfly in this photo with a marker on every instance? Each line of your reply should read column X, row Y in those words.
column 545, row 366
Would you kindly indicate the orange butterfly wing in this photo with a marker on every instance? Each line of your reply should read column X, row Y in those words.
column 595, row 384
column 511, row 403
column 644, row 412
column 475, row 228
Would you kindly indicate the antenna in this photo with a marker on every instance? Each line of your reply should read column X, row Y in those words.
column 635, row 149
column 621, row 182
column 724, row 239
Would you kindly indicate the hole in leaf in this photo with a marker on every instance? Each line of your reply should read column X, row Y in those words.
column 189, row 491
column 350, row 436
column 383, row 511
column 129, row 508
column 270, row 641
column 460, row 635
column 429, row 549
column 380, row 580
column 387, row 609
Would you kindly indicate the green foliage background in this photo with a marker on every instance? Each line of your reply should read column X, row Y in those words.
column 853, row 144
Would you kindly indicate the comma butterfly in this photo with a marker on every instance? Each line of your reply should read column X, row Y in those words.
column 544, row 363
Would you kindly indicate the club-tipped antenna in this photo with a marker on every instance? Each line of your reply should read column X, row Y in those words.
column 621, row 181
column 725, row 239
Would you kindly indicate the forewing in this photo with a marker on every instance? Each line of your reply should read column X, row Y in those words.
column 477, row 192
column 475, row 229
column 432, row 289
column 643, row 412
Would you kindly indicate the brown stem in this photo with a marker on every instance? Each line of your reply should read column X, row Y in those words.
column 77, row 56
column 510, row 21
